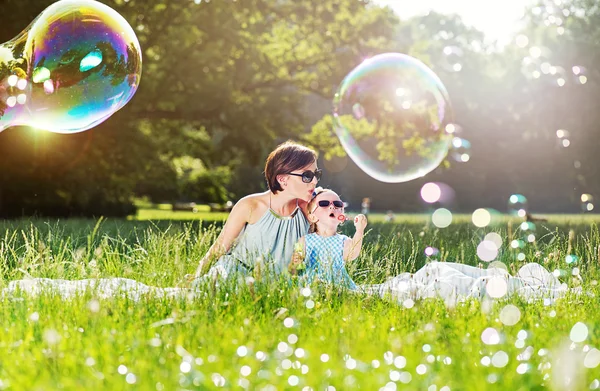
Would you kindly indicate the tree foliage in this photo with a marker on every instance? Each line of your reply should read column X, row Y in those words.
column 225, row 81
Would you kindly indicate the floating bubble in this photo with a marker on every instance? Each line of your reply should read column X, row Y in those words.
column 487, row 251
column 510, row 315
column 77, row 64
column 481, row 218
column 461, row 150
column 441, row 218
column 517, row 205
column 390, row 115
column 452, row 58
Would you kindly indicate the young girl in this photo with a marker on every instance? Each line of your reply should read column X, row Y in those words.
column 322, row 253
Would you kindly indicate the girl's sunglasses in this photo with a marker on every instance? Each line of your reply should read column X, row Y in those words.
column 308, row 176
column 326, row 203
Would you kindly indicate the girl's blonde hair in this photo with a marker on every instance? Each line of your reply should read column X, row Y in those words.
column 311, row 207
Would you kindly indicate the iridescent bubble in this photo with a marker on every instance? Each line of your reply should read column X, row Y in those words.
column 461, row 150
column 77, row 64
column 517, row 205
column 390, row 115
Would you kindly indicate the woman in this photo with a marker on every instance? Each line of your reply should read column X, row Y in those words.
column 261, row 230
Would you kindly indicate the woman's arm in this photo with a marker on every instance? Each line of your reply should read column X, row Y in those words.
column 237, row 219
column 352, row 247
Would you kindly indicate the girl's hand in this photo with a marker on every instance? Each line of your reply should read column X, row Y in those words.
column 360, row 222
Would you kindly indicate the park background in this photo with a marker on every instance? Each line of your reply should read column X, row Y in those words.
column 225, row 81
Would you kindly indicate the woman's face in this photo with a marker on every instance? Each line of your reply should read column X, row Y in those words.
column 326, row 213
column 299, row 189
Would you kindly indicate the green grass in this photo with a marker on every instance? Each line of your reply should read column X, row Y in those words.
column 239, row 338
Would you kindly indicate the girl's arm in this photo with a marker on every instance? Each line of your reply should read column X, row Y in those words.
column 297, row 257
column 237, row 219
column 353, row 246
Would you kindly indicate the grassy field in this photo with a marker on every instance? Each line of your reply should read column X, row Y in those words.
column 272, row 337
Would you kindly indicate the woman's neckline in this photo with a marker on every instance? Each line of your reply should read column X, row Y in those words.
column 288, row 217
column 277, row 215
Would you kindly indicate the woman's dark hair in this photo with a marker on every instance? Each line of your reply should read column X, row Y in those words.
column 287, row 157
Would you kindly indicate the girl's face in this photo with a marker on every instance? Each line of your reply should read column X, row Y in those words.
column 327, row 208
column 297, row 187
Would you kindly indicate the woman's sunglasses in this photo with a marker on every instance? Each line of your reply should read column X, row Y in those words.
column 326, row 203
column 308, row 176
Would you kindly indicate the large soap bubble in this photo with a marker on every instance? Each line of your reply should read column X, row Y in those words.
column 390, row 114
column 75, row 65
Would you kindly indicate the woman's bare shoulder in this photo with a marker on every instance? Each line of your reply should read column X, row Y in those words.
column 254, row 205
